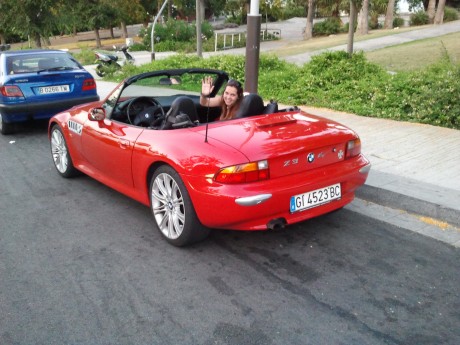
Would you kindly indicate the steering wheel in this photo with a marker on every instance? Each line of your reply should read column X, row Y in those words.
column 145, row 111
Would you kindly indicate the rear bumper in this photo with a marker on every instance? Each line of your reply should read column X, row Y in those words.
column 23, row 111
column 222, row 206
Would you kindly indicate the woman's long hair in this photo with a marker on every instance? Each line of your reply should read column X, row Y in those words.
column 225, row 113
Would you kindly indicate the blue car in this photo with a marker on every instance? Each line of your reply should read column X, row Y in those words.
column 37, row 84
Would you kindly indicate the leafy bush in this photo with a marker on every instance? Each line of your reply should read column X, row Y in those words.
column 398, row 22
column 174, row 31
column 85, row 56
column 450, row 14
column 293, row 11
column 137, row 47
column 418, row 18
column 206, row 30
column 329, row 26
column 234, row 21
column 337, row 81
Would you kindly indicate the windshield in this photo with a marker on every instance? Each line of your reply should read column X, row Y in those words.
column 186, row 84
column 33, row 63
column 163, row 91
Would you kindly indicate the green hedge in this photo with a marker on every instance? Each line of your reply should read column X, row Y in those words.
column 336, row 81
column 329, row 26
column 174, row 34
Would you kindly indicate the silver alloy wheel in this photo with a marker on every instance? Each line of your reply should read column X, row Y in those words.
column 168, row 206
column 59, row 151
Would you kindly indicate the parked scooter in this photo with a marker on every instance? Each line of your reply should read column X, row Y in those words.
column 107, row 62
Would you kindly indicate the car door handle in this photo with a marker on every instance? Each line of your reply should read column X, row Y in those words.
column 124, row 144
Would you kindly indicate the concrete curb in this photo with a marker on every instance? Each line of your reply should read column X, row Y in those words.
column 412, row 196
column 409, row 204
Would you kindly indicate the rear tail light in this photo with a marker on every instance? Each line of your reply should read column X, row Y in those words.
column 243, row 173
column 353, row 148
column 11, row 91
column 88, row 84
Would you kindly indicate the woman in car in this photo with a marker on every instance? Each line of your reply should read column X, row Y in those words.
column 229, row 101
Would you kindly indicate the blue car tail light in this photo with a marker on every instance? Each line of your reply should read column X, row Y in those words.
column 88, row 84
column 11, row 91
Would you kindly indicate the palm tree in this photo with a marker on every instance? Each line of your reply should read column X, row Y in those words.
column 389, row 16
column 439, row 17
column 363, row 19
column 308, row 33
column 431, row 10
column 351, row 27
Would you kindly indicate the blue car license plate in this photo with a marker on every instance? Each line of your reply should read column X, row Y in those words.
column 53, row 89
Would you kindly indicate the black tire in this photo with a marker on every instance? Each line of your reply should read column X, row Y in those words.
column 6, row 128
column 100, row 70
column 172, row 209
column 60, row 153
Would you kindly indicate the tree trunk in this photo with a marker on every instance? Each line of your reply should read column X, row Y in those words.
column 46, row 41
column 124, row 30
column 37, row 40
column 2, row 39
column 431, row 10
column 389, row 16
column 363, row 19
column 203, row 11
column 351, row 27
column 111, row 33
column 98, row 38
column 439, row 17
column 308, row 33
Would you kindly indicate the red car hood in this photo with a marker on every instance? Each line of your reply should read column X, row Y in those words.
column 286, row 140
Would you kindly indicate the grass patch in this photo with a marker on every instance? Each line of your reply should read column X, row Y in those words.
column 318, row 43
column 417, row 55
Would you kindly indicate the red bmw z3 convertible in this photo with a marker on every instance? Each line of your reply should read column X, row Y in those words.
column 151, row 140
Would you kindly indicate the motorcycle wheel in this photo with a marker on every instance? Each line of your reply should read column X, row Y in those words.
column 100, row 70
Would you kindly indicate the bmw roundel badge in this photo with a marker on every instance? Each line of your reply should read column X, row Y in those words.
column 311, row 157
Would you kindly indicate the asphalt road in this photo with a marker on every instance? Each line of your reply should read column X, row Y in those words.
column 81, row 264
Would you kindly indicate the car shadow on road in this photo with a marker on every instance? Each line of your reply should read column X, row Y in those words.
column 31, row 126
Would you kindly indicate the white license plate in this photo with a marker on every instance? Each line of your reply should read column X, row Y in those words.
column 54, row 89
column 315, row 198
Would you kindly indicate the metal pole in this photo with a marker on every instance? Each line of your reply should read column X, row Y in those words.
column 253, row 49
column 152, row 41
column 199, row 42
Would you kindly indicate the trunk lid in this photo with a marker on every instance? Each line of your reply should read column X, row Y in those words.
column 45, row 86
column 292, row 142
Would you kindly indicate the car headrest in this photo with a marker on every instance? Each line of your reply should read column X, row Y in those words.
column 181, row 105
column 251, row 104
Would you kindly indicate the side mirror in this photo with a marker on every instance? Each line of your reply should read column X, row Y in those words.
column 96, row 114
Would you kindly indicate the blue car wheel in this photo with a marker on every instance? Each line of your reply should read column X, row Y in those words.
column 5, row 128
